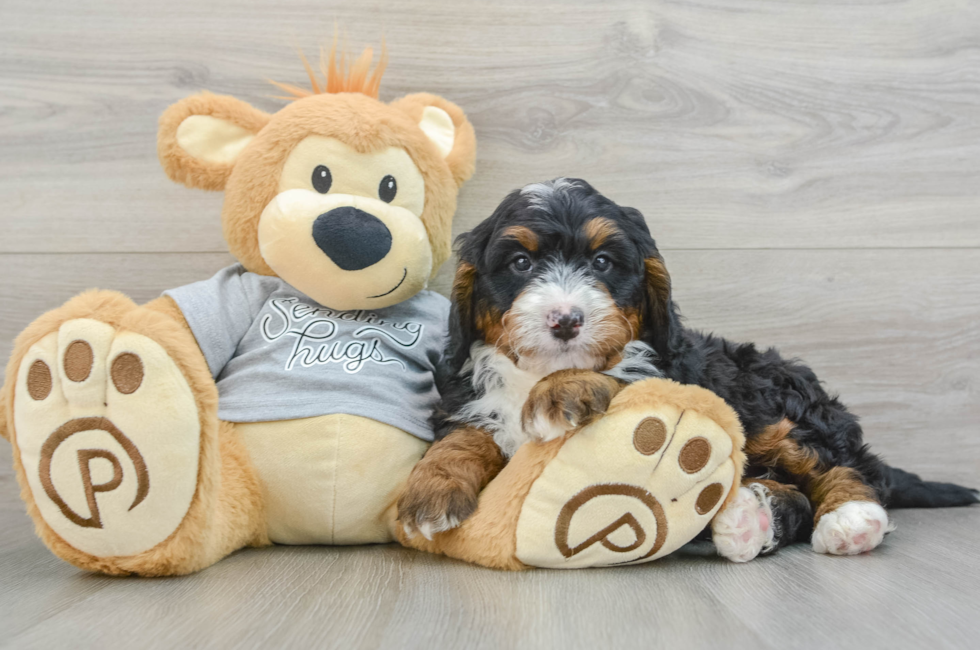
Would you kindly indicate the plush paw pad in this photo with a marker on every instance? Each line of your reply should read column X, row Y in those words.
column 853, row 528
column 107, row 431
column 744, row 529
column 633, row 486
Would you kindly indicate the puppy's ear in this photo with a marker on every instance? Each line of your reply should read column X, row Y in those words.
column 445, row 125
column 462, row 322
column 201, row 136
column 659, row 314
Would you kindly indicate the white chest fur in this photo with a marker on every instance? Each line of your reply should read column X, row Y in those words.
column 502, row 386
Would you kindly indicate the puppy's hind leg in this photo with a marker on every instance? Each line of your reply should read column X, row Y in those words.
column 848, row 516
column 849, row 519
column 764, row 517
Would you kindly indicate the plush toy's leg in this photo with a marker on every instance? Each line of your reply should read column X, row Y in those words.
column 634, row 485
column 337, row 481
column 121, row 459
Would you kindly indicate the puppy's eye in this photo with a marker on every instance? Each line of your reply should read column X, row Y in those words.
column 388, row 189
column 521, row 264
column 322, row 179
column 602, row 263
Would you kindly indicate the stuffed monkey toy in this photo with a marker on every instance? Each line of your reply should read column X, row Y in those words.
column 241, row 411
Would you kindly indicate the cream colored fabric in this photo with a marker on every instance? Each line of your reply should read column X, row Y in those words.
column 603, row 461
column 439, row 128
column 158, row 420
column 288, row 248
column 211, row 139
column 355, row 173
column 331, row 479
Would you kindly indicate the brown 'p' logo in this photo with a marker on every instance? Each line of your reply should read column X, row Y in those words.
column 85, row 457
column 628, row 519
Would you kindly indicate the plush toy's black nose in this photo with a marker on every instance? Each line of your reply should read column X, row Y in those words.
column 352, row 238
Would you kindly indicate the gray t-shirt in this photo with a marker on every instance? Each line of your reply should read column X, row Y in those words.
column 278, row 355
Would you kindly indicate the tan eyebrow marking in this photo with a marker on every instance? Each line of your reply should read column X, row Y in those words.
column 599, row 230
column 524, row 235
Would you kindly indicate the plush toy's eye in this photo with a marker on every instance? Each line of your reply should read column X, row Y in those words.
column 521, row 264
column 602, row 263
column 388, row 189
column 322, row 179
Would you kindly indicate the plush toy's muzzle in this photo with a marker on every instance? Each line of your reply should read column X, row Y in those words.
column 346, row 251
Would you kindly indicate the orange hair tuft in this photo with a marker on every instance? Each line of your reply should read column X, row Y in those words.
column 342, row 75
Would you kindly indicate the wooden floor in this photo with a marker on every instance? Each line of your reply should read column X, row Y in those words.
column 810, row 169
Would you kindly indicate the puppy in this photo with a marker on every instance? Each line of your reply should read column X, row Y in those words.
column 561, row 299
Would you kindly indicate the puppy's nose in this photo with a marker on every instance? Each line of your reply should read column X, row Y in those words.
column 352, row 238
column 565, row 325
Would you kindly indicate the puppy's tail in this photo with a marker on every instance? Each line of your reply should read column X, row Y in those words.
column 907, row 490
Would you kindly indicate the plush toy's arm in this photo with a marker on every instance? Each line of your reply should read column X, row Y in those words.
column 167, row 306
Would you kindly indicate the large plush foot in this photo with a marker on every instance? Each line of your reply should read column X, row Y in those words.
column 108, row 435
column 853, row 528
column 744, row 529
column 635, row 485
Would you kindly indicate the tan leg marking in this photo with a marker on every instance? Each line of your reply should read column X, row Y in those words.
column 827, row 489
column 444, row 487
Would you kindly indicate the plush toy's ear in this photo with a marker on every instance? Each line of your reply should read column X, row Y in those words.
column 201, row 136
column 446, row 126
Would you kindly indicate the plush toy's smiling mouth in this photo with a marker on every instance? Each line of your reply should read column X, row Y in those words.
column 404, row 275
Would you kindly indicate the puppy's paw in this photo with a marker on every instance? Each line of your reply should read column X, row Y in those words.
column 433, row 504
column 566, row 400
column 744, row 529
column 853, row 528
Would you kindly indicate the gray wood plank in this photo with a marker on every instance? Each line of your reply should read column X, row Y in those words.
column 766, row 124
column 917, row 589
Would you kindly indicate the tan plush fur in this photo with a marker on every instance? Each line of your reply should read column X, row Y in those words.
column 366, row 125
column 3, row 417
column 355, row 118
column 184, row 168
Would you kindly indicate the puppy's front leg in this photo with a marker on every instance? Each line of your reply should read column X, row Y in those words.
column 566, row 400
column 444, row 487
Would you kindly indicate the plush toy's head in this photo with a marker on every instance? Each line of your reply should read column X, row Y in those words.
column 346, row 198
